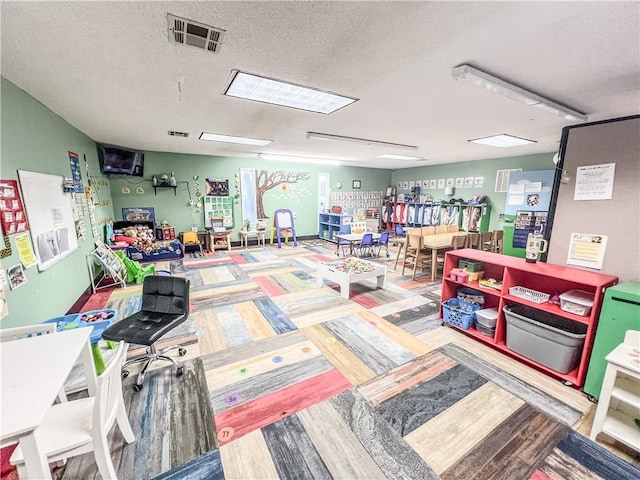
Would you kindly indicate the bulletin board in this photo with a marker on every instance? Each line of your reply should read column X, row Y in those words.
column 50, row 213
column 616, row 217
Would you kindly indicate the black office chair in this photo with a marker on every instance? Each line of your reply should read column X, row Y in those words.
column 165, row 305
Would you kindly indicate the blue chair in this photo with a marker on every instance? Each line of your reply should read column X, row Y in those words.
column 399, row 231
column 383, row 241
column 365, row 245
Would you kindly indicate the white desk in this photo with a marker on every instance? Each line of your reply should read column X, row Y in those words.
column 352, row 239
column 259, row 235
column 33, row 371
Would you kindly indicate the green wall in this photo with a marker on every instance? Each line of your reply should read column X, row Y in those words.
column 478, row 168
column 34, row 138
column 175, row 209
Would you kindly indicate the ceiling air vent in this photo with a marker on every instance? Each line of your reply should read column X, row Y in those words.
column 188, row 32
column 174, row 133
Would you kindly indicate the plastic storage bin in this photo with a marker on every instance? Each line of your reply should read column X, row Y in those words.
column 576, row 301
column 547, row 339
column 459, row 312
column 487, row 316
column 484, row 327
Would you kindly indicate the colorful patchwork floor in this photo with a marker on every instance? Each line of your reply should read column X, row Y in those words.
column 303, row 383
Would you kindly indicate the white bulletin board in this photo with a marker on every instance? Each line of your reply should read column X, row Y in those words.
column 50, row 214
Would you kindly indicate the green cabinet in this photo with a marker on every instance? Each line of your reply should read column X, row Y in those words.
column 620, row 312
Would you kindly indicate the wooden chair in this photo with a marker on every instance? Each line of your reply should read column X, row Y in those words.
column 486, row 241
column 497, row 241
column 415, row 255
column 458, row 241
column 428, row 231
column 17, row 333
column 81, row 426
column 473, row 240
column 442, row 229
column 452, row 228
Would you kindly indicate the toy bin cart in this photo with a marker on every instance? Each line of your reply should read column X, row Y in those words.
column 99, row 320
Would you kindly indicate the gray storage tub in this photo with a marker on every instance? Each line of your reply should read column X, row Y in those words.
column 548, row 339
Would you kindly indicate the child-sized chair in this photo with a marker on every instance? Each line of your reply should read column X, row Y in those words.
column 137, row 272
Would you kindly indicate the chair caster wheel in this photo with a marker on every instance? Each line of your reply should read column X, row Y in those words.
column 179, row 371
column 125, row 373
column 182, row 352
column 137, row 387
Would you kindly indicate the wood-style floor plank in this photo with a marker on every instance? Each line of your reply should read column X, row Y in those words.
column 212, row 338
column 340, row 449
column 390, row 452
column 464, row 425
column 260, row 364
column 248, row 458
column 368, row 343
column 275, row 406
column 405, row 377
column 340, row 356
column 256, row 324
column 281, row 376
column 398, row 335
column 250, row 350
column 293, row 452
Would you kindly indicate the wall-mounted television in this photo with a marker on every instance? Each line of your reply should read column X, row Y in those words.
column 120, row 161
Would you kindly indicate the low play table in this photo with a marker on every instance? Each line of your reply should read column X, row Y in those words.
column 350, row 270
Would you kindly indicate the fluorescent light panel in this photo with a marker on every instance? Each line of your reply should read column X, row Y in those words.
column 514, row 92
column 503, row 140
column 399, row 157
column 276, row 92
column 216, row 137
column 328, row 136
column 293, row 158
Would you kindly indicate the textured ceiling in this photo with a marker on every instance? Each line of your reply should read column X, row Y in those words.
column 109, row 69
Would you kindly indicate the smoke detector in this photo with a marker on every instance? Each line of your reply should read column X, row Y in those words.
column 188, row 32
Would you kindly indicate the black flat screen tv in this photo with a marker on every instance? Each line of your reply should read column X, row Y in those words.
column 120, row 161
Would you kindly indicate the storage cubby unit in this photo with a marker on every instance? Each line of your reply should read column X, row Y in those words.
column 540, row 277
column 331, row 224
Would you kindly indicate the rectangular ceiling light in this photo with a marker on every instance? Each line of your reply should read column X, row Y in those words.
column 399, row 157
column 328, row 136
column 215, row 137
column 514, row 92
column 276, row 92
column 503, row 140
column 293, row 158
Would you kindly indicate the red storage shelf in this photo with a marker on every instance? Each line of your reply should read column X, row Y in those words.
column 542, row 277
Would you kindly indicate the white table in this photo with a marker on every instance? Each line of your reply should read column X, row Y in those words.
column 245, row 235
column 350, row 270
column 33, row 372
column 352, row 238
column 619, row 402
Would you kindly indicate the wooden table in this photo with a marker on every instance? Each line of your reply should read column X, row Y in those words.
column 33, row 372
column 435, row 243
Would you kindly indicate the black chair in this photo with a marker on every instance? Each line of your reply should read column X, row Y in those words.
column 165, row 305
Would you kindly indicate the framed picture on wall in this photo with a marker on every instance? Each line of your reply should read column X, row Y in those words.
column 356, row 184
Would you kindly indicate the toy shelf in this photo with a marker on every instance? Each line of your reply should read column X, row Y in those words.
column 541, row 277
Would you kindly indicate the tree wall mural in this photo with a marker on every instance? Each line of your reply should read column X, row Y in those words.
column 266, row 181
